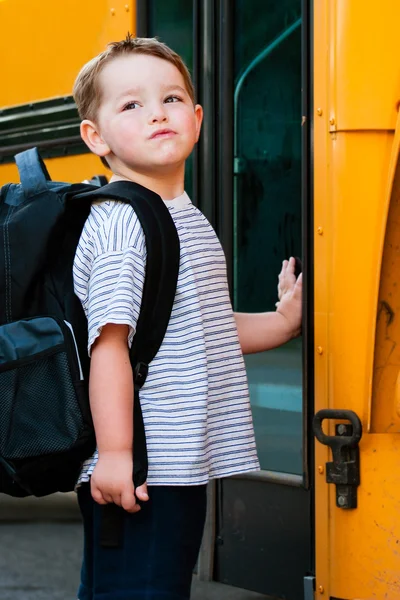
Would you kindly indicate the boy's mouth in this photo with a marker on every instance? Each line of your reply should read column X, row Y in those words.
column 162, row 133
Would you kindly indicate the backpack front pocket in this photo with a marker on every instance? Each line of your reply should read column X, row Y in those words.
column 40, row 373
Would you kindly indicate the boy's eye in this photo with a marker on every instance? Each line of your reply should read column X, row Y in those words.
column 171, row 99
column 130, row 105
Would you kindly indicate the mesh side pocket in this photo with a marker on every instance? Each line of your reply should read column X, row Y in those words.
column 39, row 410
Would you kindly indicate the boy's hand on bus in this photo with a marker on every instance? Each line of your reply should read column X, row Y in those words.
column 112, row 481
column 290, row 296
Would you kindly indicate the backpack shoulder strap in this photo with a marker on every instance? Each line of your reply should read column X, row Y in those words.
column 32, row 172
column 162, row 267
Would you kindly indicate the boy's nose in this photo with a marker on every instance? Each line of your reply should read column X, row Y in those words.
column 158, row 115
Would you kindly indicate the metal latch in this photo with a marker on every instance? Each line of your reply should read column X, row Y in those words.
column 344, row 471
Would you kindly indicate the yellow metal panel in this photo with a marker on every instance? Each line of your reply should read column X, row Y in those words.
column 359, row 162
column 385, row 410
column 364, row 59
column 357, row 552
column 357, row 220
column 365, row 545
column 71, row 168
column 43, row 44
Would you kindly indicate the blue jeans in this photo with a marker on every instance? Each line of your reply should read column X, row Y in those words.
column 160, row 547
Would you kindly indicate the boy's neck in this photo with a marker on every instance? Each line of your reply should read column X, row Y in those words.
column 168, row 186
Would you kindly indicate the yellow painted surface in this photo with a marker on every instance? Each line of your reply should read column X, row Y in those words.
column 385, row 409
column 43, row 44
column 365, row 543
column 365, row 65
column 357, row 89
column 70, row 168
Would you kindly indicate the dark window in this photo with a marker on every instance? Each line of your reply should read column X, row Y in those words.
column 267, row 209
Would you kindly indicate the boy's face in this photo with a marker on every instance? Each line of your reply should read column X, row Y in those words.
column 146, row 120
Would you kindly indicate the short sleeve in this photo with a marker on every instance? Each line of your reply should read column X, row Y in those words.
column 109, row 267
column 115, row 291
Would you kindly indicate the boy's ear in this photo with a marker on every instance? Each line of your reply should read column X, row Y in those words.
column 198, row 112
column 93, row 139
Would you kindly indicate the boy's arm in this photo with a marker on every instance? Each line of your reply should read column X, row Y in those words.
column 111, row 400
column 264, row 331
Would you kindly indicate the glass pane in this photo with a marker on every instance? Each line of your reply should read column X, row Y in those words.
column 172, row 22
column 267, row 208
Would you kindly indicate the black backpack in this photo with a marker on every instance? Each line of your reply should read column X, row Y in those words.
column 46, row 430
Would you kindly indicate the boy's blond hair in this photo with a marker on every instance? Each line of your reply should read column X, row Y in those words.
column 87, row 92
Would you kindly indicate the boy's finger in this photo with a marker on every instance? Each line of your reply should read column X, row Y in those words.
column 298, row 288
column 128, row 501
column 291, row 265
column 141, row 492
column 109, row 498
column 97, row 495
column 116, row 499
column 283, row 269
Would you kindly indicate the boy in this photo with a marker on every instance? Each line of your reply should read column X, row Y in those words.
column 136, row 101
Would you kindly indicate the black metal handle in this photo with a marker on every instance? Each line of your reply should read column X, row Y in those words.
column 344, row 470
column 335, row 441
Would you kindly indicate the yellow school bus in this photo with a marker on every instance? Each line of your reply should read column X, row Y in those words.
column 356, row 279
column 299, row 156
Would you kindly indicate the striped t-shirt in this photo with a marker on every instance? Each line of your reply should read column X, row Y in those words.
column 195, row 400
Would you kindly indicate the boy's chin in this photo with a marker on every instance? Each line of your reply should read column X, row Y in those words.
column 170, row 157
column 157, row 164
column 166, row 165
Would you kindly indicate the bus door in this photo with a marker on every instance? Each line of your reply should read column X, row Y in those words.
column 264, row 519
column 249, row 175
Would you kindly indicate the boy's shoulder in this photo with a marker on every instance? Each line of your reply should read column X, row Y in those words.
column 112, row 226
column 104, row 212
